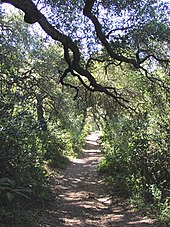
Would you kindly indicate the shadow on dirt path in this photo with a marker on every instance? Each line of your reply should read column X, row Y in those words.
column 82, row 199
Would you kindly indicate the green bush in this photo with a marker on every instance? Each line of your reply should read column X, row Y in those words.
column 54, row 148
column 136, row 155
column 20, row 156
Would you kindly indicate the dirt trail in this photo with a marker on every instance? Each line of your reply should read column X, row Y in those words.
column 83, row 200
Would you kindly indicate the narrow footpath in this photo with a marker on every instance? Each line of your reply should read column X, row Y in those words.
column 83, row 200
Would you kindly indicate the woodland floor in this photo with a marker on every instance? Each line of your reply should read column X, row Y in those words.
column 83, row 199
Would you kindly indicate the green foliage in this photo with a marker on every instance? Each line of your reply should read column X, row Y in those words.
column 136, row 146
column 160, row 208
column 138, row 153
column 76, row 137
column 53, row 147
column 20, row 154
column 144, row 22
column 115, row 166
column 26, row 148
column 137, row 160
column 164, row 210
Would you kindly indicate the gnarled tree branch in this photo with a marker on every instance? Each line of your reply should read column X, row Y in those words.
column 33, row 15
column 88, row 12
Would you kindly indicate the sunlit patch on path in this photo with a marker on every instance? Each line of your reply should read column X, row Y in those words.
column 82, row 198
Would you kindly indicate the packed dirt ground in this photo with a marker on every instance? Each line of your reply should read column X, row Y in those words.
column 84, row 200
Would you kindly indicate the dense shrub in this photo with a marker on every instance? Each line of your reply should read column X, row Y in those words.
column 137, row 155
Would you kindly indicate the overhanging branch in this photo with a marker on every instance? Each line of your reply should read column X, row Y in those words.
column 32, row 15
column 98, row 28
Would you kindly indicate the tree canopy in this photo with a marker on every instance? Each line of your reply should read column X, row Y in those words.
column 98, row 64
column 127, row 34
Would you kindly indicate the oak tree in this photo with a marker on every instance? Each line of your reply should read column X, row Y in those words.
column 119, row 33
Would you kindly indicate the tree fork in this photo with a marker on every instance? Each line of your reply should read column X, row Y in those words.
column 33, row 15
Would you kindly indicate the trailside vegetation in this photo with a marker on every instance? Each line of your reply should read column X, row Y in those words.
column 40, row 123
column 102, row 64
